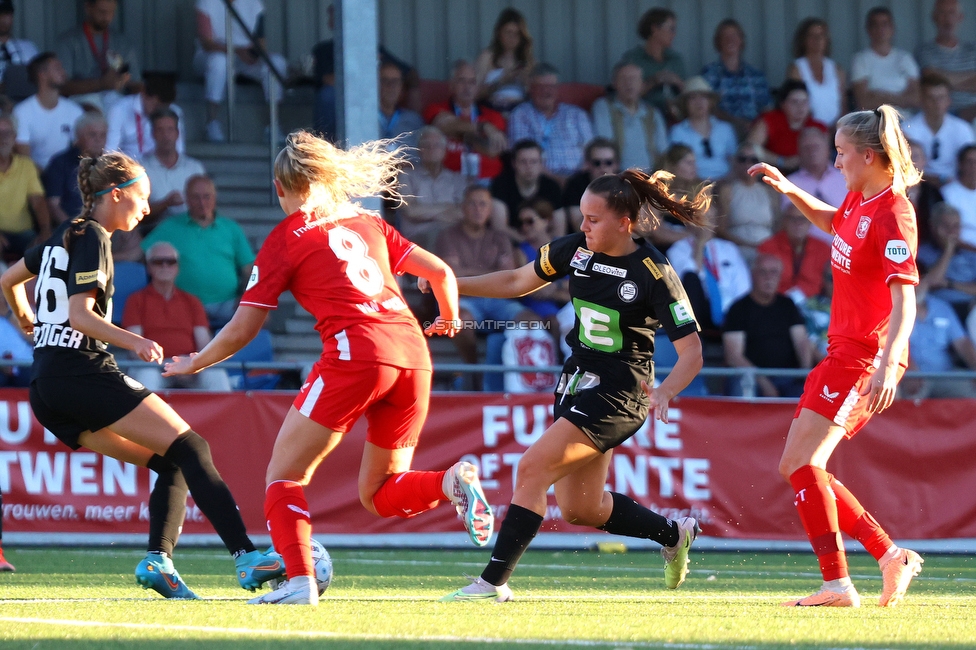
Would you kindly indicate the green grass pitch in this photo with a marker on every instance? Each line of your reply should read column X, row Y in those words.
column 88, row 598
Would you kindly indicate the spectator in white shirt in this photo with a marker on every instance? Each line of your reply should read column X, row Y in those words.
column 961, row 194
column 211, row 54
column 168, row 168
column 129, row 123
column 940, row 133
column 713, row 140
column 46, row 121
column 883, row 74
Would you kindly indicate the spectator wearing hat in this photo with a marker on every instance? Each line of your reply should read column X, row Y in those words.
column 13, row 51
column 742, row 89
column 636, row 127
column 129, row 119
column 712, row 139
column 562, row 130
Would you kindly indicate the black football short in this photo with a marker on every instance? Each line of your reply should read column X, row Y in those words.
column 69, row 406
column 604, row 401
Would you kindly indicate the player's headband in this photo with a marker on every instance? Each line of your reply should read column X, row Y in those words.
column 120, row 185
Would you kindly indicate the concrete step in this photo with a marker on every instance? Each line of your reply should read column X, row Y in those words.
column 252, row 213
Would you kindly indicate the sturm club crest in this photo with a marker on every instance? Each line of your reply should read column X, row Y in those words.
column 862, row 227
column 627, row 291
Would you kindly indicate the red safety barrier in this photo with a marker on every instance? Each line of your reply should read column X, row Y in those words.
column 911, row 466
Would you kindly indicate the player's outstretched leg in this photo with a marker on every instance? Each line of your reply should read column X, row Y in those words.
column 156, row 572
column 191, row 454
column 897, row 570
column 462, row 487
column 676, row 557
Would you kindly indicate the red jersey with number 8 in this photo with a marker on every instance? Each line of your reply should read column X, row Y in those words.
column 875, row 241
column 342, row 272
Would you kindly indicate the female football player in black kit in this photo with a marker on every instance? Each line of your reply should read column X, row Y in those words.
column 78, row 392
column 622, row 290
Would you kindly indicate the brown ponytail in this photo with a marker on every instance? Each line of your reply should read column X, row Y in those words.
column 637, row 195
column 96, row 174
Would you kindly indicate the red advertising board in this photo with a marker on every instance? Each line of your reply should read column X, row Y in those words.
column 911, row 466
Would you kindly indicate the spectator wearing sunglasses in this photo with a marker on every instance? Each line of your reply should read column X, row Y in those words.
column 748, row 209
column 173, row 318
column 712, row 139
column 634, row 125
column 601, row 157
column 940, row 133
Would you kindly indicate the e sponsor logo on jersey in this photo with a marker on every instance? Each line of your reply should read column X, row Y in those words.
column 627, row 291
column 862, row 227
column 253, row 280
column 652, row 267
column 897, row 251
column 87, row 277
column 581, row 258
column 544, row 262
column 681, row 312
column 606, row 269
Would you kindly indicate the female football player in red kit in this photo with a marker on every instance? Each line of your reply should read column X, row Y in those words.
column 873, row 311
column 339, row 261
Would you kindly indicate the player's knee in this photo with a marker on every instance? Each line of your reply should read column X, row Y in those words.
column 366, row 498
column 190, row 447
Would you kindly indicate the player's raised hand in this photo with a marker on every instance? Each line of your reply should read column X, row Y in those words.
column 149, row 351
column 771, row 176
column 179, row 366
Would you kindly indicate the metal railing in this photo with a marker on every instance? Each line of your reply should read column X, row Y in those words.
column 748, row 375
column 276, row 82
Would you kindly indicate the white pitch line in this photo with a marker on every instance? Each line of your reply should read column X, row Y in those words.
column 698, row 571
column 243, row 631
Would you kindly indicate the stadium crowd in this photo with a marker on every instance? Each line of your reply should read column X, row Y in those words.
column 509, row 126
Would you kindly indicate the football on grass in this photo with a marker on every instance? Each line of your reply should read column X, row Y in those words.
column 322, row 563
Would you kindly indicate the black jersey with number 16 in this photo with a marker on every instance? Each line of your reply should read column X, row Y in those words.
column 59, row 349
column 619, row 301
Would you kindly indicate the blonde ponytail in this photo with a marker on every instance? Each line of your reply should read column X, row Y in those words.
column 880, row 131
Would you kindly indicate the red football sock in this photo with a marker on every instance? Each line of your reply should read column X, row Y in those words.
column 818, row 514
column 290, row 524
column 858, row 523
column 409, row 494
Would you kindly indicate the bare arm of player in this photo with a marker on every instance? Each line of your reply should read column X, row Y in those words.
column 819, row 213
column 83, row 318
column 884, row 381
column 440, row 279
column 240, row 331
column 12, row 281
column 513, row 283
column 689, row 349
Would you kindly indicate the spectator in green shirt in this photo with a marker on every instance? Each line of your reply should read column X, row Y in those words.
column 664, row 69
column 215, row 256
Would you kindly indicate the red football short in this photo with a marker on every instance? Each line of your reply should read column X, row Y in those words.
column 394, row 400
column 833, row 387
